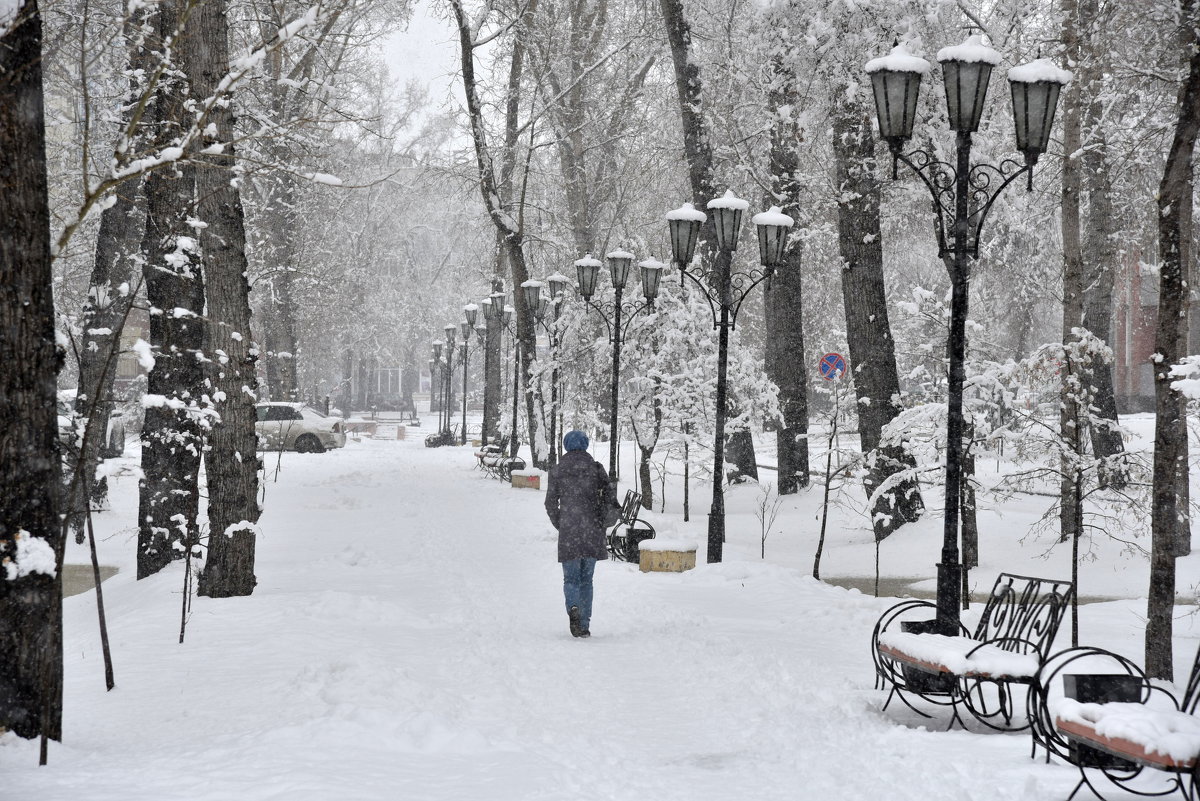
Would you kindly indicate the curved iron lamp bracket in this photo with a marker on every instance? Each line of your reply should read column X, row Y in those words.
column 607, row 310
column 740, row 286
column 985, row 182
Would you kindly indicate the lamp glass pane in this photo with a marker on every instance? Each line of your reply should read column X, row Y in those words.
column 619, row 270
column 771, row 241
column 470, row 314
column 587, row 279
column 896, row 96
column 966, row 85
column 727, row 223
column 684, row 234
column 557, row 287
column 651, row 276
column 543, row 305
column 532, row 293
column 466, row 328
column 1034, row 105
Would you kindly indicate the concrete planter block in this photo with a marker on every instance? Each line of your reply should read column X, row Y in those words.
column 527, row 479
column 666, row 556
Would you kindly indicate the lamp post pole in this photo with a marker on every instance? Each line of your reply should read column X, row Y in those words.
column 619, row 262
column 725, row 291
column 450, row 330
column 468, row 327
column 557, row 283
column 963, row 195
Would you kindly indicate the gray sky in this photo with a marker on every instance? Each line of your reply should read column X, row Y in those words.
column 427, row 52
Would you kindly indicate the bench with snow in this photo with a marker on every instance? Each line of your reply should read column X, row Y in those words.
column 666, row 555
column 976, row 672
column 527, row 479
column 494, row 460
column 1112, row 723
column 627, row 534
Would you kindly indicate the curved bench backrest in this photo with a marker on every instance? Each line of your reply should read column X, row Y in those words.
column 1024, row 609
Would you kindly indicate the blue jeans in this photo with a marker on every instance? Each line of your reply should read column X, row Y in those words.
column 577, row 587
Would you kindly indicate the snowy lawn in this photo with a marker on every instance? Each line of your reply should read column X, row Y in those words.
column 407, row 640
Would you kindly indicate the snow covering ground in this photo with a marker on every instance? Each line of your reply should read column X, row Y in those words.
column 407, row 641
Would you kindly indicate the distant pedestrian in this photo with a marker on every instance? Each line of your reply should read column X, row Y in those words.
column 577, row 495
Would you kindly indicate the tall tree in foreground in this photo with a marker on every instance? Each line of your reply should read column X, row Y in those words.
column 783, row 297
column 231, row 462
column 171, row 435
column 31, row 544
column 868, row 332
column 110, row 292
column 1168, row 515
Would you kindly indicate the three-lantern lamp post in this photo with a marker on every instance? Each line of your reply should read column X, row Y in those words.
column 963, row 195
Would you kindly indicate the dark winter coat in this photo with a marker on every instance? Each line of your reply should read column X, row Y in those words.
column 576, row 496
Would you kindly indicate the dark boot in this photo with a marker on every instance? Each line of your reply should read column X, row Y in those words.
column 576, row 628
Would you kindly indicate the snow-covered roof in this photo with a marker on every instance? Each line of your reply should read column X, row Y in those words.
column 652, row 263
column 899, row 60
column 619, row 254
column 557, row 277
column 773, row 216
column 587, row 261
column 532, row 282
column 728, row 201
column 470, row 307
column 1042, row 70
column 972, row 51
column 687, row 212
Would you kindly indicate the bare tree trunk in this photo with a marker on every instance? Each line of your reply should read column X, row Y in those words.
column 1168, row 516
column 497, row 197
column 31, row 541
column 872, row 350
column 785, row 358
column 172, row 439
column 110, row 296
column 1098, row 253
column 1072, row 183
column 231, row 462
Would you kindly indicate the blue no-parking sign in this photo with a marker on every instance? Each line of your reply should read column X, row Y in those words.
column 832, row 365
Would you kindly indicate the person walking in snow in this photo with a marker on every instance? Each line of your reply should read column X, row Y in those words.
column 577, row 495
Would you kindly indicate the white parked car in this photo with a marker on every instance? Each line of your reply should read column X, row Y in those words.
column 296, row 427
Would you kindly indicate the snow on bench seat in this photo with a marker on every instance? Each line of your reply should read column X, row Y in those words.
column 1162, row 738
column 938, row 653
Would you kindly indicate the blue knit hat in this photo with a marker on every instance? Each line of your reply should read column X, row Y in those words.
column 575, row 441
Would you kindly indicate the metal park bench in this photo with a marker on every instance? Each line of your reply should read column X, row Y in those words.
column 975, row 672
column 1113, row 725
column 629, row 531
column 494, row 460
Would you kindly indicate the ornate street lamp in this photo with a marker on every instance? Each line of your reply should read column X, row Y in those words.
column 558, row 285
column 467, row 327
column 963, row 195
column 450, row 329
column 619, row 264
column 725, row 291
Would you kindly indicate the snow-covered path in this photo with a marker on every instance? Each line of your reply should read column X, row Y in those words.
column 407, row 641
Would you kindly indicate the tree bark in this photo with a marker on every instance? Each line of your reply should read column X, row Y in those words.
column 231, row 461
column 497, row 198
column 1072, row 184
column 110, row 294
column 1168, row 516
column 1098, row 253
column 172, row 439
column 872, row 350
column 785, row 362
column 31, row 541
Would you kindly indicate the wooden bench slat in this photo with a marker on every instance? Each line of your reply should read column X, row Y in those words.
column 1120, row 747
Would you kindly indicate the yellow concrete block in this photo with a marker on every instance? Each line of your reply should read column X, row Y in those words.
column 666, row 561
